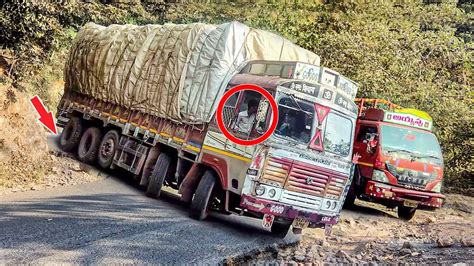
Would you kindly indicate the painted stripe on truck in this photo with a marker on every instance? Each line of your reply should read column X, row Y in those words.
column 242, row 158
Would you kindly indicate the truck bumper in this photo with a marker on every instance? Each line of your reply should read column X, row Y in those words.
column 380, row 192
column 263, row 206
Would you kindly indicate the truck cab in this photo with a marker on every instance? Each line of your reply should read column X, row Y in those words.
column 399, row 163
column 300, row 175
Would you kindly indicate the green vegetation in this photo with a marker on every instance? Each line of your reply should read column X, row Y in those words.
column 416, row 54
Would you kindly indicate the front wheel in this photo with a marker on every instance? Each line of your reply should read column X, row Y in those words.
column 200, row 203
column 280, row 229
column 406, row 213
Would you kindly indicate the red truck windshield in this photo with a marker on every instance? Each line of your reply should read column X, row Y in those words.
column 411, row 144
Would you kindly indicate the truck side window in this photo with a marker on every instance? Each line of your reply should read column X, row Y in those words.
column 245, row 119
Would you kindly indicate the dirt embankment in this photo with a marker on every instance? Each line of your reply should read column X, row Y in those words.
column 372, row 234
column 26, row 161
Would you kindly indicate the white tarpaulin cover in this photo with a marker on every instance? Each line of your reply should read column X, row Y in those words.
column 174, row 71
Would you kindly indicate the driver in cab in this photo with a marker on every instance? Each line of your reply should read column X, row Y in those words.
column 246, row 119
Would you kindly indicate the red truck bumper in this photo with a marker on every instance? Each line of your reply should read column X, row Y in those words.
column 278, row 209
column 385, row 192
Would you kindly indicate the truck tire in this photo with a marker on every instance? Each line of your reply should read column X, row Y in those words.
column 89, row 145
column 160, row 171
column 200, row 202
column 349, row 202
column 280, row 229
column 107, row 148
column 71, row 134
column 406, row 213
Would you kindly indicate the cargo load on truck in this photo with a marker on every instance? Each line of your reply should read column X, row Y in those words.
column 173, row 71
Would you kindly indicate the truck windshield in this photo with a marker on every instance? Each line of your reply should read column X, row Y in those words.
column 410, row 144
column 338, row 134
column 295, row 119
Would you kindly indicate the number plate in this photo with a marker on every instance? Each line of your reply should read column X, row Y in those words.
column 300, row 222
column 410, row 203
column 267, row 220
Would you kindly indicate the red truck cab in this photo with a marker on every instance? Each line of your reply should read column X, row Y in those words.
column 399, row 159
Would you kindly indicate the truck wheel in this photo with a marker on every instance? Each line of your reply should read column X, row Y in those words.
column 71, row 134
column 349, row 203
column 107, row 148
column 89, row 145
column 406, row 213
column 160, row 171
column 280, row 229
column 200, row 202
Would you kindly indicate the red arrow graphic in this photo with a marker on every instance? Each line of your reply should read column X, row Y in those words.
column 46, row 118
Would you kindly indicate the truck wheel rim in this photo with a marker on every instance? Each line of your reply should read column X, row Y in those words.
column 107, row 148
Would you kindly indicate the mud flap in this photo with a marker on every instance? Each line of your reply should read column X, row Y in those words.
column 327, row 229
column 267, row 221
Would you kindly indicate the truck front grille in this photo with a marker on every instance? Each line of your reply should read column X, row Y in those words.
column 276, row 170
column 301, row 200
column 303, row 178
column 311, row 180
column 410, row 178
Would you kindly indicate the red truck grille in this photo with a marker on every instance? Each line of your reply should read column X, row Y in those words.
column 276, row 170
column 309, row 180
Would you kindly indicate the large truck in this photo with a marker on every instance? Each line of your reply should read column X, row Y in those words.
column 400, row 164
column 144, row 99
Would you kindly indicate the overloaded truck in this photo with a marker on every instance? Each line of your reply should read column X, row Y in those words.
column 400, row 162
column 144, row 99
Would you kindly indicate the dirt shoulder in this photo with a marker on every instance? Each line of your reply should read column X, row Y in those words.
column 373, row 234
column 29, row 159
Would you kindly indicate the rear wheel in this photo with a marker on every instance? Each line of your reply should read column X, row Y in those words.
column 71, row 134
column 107, row 148
column 89, row 145
column 280, row 229
column 201, row 200
column 406, row 213
column 160, row 171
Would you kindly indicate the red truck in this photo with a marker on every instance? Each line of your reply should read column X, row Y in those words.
column 399, row 159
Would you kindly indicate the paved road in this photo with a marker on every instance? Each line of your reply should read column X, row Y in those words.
column 111, row 221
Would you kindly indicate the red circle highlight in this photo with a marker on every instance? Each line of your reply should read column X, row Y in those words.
column 220, row 108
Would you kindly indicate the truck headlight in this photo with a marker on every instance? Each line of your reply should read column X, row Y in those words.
column 272, row 192
column 259, row 190
column 380, row 176
column 437, row 188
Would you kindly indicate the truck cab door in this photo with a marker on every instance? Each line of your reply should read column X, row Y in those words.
column 366, row 146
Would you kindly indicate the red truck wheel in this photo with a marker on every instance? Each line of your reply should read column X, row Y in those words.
column 406, row 213
column 71, row 134
column 200, row 203
column 107, row 149
column 89, row 145
column 160, row 171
